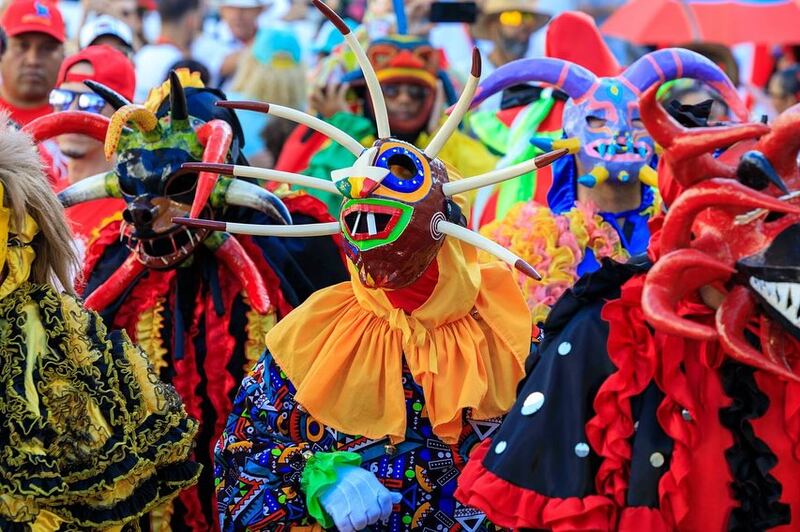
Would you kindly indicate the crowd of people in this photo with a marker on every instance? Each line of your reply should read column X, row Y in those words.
column 393, row 265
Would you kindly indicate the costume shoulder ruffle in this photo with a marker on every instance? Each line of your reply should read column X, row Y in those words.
column 556, row 244
column 90, row 438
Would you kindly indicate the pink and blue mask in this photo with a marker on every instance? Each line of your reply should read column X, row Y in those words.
column 601, row 122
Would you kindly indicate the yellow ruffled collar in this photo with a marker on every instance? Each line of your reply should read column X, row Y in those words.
column 465, row 346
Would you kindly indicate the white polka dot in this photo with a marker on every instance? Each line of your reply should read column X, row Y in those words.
column 500, row 447
column 532, row 403
column 564, row 348
column 582, row 450
column 656, row 459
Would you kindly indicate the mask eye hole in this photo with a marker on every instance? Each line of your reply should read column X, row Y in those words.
column 406, row 174
column 595, row 121
column 180, row 185
column 402, row 166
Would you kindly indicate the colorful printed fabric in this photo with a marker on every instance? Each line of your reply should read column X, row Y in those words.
column 89, row 437
column 200, row 333
column 262, row 453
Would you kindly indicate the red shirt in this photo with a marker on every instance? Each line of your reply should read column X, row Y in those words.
column 23, row 116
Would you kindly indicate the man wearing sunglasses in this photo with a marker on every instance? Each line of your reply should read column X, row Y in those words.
column 83, row 155
column 505, row 27
column 30, row 62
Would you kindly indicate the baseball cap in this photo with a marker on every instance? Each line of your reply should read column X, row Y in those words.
column 105, row 25
column 111, row 68
column 33, row 16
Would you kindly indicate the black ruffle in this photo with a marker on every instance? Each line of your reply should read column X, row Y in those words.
column 750, row 459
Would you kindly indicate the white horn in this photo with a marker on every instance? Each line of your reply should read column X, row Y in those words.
column 504, row 174
column 474, row 239
column 378, row 103
column 263, row 174
column 312, row 122
column 320, row 229
column 462, row 106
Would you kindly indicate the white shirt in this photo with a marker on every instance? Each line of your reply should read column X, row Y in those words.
column 153, row 62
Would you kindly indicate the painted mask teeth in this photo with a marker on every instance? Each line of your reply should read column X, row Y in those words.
column 783, row 297
column 610, row 149
column 366, row 223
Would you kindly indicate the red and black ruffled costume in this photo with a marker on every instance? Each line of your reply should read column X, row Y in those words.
column 666, row 398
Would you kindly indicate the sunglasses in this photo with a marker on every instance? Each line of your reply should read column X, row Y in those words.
column 415, row 92
column 62, row 100
column 516, row 18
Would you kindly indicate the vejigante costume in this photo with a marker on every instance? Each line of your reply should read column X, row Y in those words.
column 527, row 110
column 370, row 394
column 199, row 302
column 668, row 400
column 90, row 438
column 609, row 144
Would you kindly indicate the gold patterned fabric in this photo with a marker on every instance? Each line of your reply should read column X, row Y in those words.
column 90, row 439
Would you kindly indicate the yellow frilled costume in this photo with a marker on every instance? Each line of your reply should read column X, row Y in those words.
column 89, row 437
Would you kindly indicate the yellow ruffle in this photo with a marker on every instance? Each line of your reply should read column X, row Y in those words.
column 465, row 346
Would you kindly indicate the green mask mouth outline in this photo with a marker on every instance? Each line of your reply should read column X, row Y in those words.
column 401, row 217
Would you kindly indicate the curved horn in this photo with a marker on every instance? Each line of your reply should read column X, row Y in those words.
column 216, row 137
column 689, row 152
column 503, row 174
column 675, row 63
column 80, row 122
column 312, row 122
column 672, row 277
column 677, row 230
column 112, row 97
column 235, row 258
column 462, row 106
column 318, row 229
column 569, row 77
column 376, row 95
column 96, row 187
column 263, row 174
column 110, row 291
column 141, row 116
column 243, row 194
column 732, row 319
column 178, row 108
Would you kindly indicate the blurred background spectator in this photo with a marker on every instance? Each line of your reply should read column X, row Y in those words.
column 784, row 88
column 181, row 21
column 84, row 156
column 31, row 59
column 269, row 70
column 105, row 29
column 105, row 65
column 220, row 47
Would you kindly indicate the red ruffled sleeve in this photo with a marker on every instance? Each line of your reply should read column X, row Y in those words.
column 510, row 506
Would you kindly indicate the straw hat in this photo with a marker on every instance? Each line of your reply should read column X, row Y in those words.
column 491, row 9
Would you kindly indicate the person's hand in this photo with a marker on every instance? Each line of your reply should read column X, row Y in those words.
column 418, row 17
column 329, row 100
column 357, row 500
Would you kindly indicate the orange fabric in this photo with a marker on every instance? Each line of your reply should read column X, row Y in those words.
column 343, row 349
